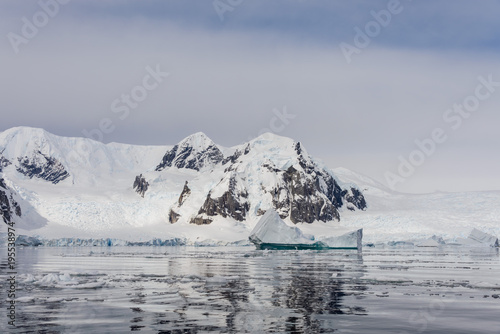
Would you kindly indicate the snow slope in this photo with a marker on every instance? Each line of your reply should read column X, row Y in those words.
column 77, row 187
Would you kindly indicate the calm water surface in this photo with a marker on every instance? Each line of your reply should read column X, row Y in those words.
column 242, row 290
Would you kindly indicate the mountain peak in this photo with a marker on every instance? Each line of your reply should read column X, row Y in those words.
column 22, row 141
column 271, row 137
column 198, row 140
column 24, row 131
column 196, row 151
column 278, row 147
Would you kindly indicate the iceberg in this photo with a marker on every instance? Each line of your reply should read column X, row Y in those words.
column 434, row 241
column 483, row 238
column 271, row 232
column 345, row 241
column 477, row 238
column 428, row 243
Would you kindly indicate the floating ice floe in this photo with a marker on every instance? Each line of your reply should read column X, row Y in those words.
column 484, row 238
column 428, row 243
column 56, row 280
column 349, row 240
column 478, row 239
column 271, row 232
column 27, row 299
column 431, row 242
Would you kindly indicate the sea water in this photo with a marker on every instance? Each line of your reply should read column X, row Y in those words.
column 243, row 290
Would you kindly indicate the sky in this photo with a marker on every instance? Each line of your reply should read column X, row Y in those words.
column 406, row 92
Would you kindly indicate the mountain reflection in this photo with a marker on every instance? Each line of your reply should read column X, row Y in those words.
column 318, row 289
column 190, row 292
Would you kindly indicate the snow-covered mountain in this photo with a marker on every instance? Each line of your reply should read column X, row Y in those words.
column 65, row 187
column 268, row 172
column 196, row 152
column 15, row 211
column 86, row 185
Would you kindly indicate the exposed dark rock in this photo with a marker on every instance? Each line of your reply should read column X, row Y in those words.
column 8, row 206
column 173, row 216
column 17, row 208
column 337, row 195
column 141, row 185
column 232, row 158
column 271, row 168
column 306, row 193
column 42, row 167
column 184, row 194
column 308, row 167
column 168, row 159
column 5, row 209
column 298, row 149
column 201, row 220
column 231, row 204
column 4, row 162
column 281, row 201
column 333, row 191
column 307, row 202
column 310, row 194
column 185, row 156
column 356, row 198
column 230, row 168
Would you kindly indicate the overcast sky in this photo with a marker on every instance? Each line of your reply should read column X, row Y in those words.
column 235, row 65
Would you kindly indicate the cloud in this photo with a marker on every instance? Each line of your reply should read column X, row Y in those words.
column 227, row 77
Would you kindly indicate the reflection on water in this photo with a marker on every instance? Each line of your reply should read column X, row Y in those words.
column 241, row 290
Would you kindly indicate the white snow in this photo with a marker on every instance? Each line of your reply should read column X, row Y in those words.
column 98, row 202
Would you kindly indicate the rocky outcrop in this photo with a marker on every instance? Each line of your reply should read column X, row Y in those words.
column 173, row 216
column 195, row 152
column 308, row 193
column 356, row 198
column 184, row 194
column 232, row 158
column 43, row 167
column 233, row 203
column 8, row 206
column 306, row 202
column 303, row 192
column 140, row 185
column 201, row 219
column 168, row 159
column 300, row 196
column 4, row 162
